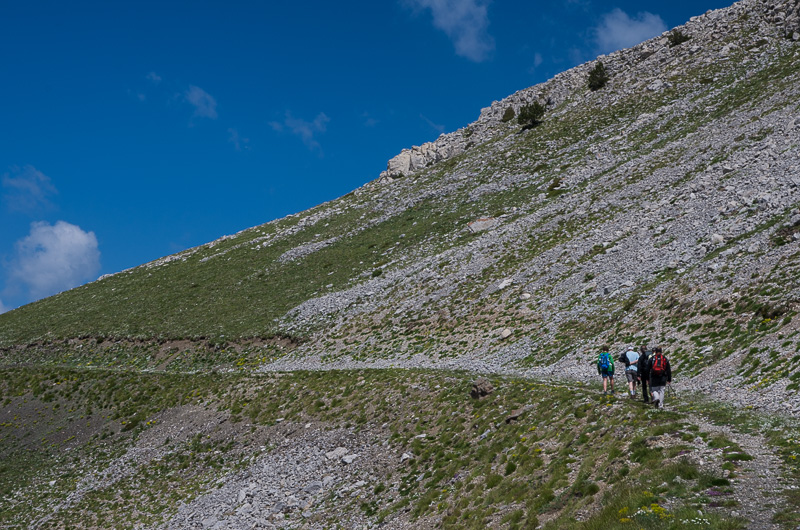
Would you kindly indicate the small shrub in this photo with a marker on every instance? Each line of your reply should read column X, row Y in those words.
column 510, row 468
column 598, row 77
column 677, row 37
column 493, row 480
column 508, row 115
column 531, row 115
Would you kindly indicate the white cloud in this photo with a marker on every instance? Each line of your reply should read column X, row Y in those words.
column 369, row 121
column 28, row 189
column 54, row 258
column 434, row 126
column 3, row 308
column 153, row 78
column 239, row 143
column 537, row 62
column 306, row 130
column 617, row 30
column 205, row 106
column 465, row 22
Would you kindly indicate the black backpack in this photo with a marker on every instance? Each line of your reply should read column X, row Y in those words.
column 644, row 360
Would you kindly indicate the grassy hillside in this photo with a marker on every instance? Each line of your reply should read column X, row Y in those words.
column 662, row 209
column 238, row 287
column 89, row 448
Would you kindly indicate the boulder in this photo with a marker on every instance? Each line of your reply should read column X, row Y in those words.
column 482, row 224
column 314, row 487
column 336, row 454
column 515, row 415
column 481, row 388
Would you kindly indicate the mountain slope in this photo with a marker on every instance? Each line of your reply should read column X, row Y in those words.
column 225, row 386
column 660, row 208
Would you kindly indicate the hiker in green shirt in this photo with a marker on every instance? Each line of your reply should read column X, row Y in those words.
column 605, row 367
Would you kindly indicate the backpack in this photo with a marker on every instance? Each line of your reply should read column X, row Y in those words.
column 605, row 361
column 659, row 367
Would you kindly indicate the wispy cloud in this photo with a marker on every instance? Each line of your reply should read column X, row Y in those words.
column 617, row 30
column 153, row 78
column 53, row 258
column 27, row 190
column 465, row 22
column 239, row 143
column 306, row 130
column 537, row 62
column 434, row 126
column 205, row 106
column 369, row 121
column 3, row 308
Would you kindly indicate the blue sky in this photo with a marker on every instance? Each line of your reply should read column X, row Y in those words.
column 133, row 130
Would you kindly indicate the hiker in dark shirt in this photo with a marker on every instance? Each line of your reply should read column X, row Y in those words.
column 660, row 376
column 644, row 375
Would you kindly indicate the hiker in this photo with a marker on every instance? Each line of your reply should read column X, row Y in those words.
column 623, row 358
column 605, row 367
column 631, row 370
column 660, row 376
column 643, row 373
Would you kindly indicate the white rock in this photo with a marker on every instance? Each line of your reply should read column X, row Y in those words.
column 337, row 453
column 482, row 224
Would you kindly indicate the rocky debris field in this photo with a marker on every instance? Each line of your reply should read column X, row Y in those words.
column 310, row 475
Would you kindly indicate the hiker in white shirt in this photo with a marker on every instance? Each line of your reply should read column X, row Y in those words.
column 631, row 373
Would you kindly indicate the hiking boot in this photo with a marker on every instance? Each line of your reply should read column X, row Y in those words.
column 656, row 403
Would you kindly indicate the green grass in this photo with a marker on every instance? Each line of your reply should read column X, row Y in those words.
column 550, row 463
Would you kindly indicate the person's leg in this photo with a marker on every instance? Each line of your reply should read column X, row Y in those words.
column 658, row 396
column 645, row 391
